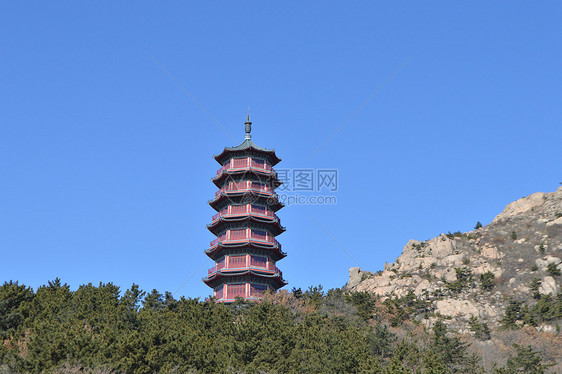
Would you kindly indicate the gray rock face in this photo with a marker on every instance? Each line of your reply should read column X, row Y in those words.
column 520, row 206
column 516, row 247
column 354, row 277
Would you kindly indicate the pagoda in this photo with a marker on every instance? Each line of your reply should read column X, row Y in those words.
column 245, row 251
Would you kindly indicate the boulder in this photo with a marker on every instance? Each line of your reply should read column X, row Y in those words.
column 548, row 285
column 441, row 246
column 423, row 286
column 491, row 252
column 556, row 222
column 542, row 263
column 457, row 308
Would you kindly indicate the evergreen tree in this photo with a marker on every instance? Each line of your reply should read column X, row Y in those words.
column 449, row 351
column 154, row 300
column 527, row 361
column 363, row 301
column 512, row 314
column 534, row 286
column 381, row 341
column 481, row 330
column 15, row 306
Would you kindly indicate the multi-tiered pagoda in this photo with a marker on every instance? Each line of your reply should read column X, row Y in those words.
column 245, row 250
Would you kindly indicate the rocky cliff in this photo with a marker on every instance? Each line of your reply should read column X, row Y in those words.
column 478, row 273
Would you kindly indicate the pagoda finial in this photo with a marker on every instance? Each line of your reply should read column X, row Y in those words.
column 248, row 124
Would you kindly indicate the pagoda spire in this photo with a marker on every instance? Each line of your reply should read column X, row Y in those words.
column 248, row 124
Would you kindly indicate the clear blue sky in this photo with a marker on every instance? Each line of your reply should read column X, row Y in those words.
column 106, row 162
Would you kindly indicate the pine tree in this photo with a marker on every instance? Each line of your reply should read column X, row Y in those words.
column 512, row 314
column 481, row 330
column 15, row 306
column 526, row 361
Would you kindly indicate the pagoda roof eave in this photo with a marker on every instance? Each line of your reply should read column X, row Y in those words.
column 219, row 179
column 247, row 145
column 275, row 223
column 215, row 251
column 215, row 203
column 276, row 277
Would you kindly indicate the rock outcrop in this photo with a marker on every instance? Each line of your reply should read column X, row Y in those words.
column 476, row 273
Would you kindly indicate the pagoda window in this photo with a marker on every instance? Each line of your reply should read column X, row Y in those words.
column 259, row 209
column 258, row 261
column 239, row 162
column 259, row 234
column 238, row 209
column 257, row 289
column 219, row 292
column 236, row 290
column 220, row 264
column 237, row 262
column 237, row 234
column 238, row 185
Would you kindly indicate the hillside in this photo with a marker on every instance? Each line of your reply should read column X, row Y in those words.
column 505, row 275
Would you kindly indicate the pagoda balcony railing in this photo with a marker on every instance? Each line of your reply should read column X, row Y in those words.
column 229, row 292
column 243, row 265
column 244, row 186
column 236, row 210
column 234, row 236
column 245, row 164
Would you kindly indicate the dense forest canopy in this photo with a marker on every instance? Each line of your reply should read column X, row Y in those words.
column 101, row 329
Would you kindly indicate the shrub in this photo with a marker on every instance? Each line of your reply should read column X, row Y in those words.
column 534, row 286
column 478, row 225
column 541, row 248
column 456, row 234
column 552, row 269
column 366, row 275
column 512, row 314
column 534, row 267
column 464, row 277
column 406, row 307
column 513, row 235
column 487, row 281
column 481, row 330
column 548, row 308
